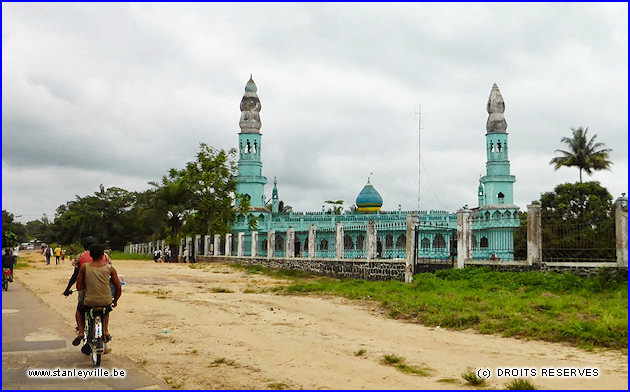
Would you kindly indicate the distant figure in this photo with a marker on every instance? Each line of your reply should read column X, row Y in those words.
column 185, row 255
column 8, row 261
column 63, row 254
column 57, row 254
column 48, row 252
column 493, row 256
column 156, row 255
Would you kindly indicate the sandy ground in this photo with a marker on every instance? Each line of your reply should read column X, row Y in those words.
column 212, row 327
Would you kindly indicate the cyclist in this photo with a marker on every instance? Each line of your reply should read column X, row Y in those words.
column 94, row 277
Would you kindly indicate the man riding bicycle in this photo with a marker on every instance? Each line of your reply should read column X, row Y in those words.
column 94, row 277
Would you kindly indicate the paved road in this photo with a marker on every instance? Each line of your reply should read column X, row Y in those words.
column 36, row 337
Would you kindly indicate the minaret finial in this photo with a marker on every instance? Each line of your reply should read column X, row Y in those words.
column 274, row 180
column 496, row 122
column 369, row 178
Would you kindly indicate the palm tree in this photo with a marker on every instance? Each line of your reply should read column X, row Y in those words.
column 586, row 155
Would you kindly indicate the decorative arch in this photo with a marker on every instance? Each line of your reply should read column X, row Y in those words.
column 496, row 215
column 425, row 243
column 360, row 241
column 389, row 241
column 484, row 242
column 323, row 244
column 401, row 241
column 279, row 242
column 439, row 242
column 348, row 244
column 487, row 215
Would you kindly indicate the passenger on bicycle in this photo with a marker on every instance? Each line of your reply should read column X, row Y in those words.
column 95, row 278
column 8, row 261
column 81, row 259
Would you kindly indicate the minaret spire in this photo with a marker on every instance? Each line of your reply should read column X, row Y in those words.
column 496, row 121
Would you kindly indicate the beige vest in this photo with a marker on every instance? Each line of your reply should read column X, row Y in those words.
column 97, row 291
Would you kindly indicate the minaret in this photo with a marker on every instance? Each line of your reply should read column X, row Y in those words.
column 498, row 182
column 480, row 197
column 275, row 202
column 251, row 182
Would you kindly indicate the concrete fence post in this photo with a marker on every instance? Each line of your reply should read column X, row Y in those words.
column 206, row 247
column 339, row 241
column 621, row 230
column 312, row 242
column 254, row 252
column 413, row 220
column 228, row 244
column 464, row 235
column 241, row 244
column 534, row 234
column 217, row 245
column 290, row 244
column 271, row 244
column 370, row 242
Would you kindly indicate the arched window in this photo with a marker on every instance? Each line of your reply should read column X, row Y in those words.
column 507, row 214
column 389, row 241
column 279, row 242
column 241, row 219
column 323, row 245
column 360, row 241
column 484, row 242
column 401, row 242
column 261, row 218
column 501, row 197
column 439, row 242
column 348, row 244
column 496, row 215
column 487, row 215
column 425, row 243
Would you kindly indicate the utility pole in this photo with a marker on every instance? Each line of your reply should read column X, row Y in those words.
column 419, row 113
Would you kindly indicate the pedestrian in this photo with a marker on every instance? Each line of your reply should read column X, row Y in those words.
column 156, row 255
column 48, row 252
column 57, row 254
column 63, row 255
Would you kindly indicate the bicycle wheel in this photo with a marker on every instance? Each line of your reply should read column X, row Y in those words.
column 96, row 352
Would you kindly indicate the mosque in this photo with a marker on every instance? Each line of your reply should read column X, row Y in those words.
column 494, row 219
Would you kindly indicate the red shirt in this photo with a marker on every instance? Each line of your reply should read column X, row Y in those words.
column 85, row 257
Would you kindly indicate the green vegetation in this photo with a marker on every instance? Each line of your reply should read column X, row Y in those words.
column 359, row 353
column 583, row 154
column 520, row 384
column 399, row 363
column 448, row 380
column 548, row 306
column 224, row 361
column 221, row 290
column 472, row 378
column 277, row 386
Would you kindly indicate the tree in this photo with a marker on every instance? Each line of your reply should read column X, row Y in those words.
column 335, row 207
column 586, row 155
column 171, row 201
column 212, row 180
column 12, row 232
column 578, row 219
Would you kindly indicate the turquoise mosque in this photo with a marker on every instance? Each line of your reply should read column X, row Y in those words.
column 493, row 220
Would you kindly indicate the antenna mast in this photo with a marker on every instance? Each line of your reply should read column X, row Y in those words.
column 419, row 113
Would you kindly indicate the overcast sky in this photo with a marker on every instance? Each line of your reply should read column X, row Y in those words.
column 116, row 94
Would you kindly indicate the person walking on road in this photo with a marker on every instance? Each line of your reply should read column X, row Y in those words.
column 48, row 252
column 57, row 254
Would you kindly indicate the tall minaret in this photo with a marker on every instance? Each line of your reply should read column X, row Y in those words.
column 251, row 182
column 498, row 182
column 275, row 201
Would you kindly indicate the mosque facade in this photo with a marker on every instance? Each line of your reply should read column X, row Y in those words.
column 493, row 220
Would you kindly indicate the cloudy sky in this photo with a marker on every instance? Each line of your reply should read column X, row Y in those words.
column 116, row 94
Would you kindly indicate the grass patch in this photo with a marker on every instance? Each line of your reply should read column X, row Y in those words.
column 472, row 379
column 359, row 353
column 20, row 265
column 520, row 384
column 448, row 380
column 223, row 361
column 118, row 255
column 221, row 290
column 586, row 312
column 250, row 291
column 277, row 386
column 173, row 383
column 399, row 363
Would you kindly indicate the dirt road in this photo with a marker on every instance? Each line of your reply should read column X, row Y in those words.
column 212, row 327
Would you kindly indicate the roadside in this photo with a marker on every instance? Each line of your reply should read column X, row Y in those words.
column 36, row 337
column 210, row 326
